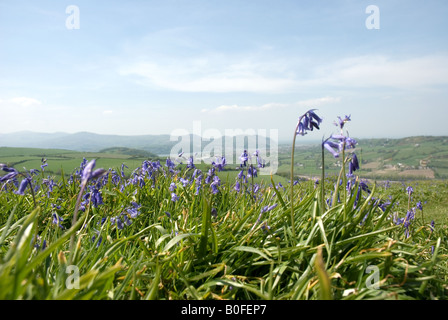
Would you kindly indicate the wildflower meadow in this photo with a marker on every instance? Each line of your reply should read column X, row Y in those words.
column 172, row 231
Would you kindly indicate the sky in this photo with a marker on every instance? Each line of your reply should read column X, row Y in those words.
column 157, row 67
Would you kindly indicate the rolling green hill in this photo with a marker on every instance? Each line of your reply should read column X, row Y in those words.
column 422, row 157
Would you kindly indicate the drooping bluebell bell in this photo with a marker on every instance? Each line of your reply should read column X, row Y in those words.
column 237, row 186
column 307, row 122
column 341, row 122
column 122, row 169
column 169, row 163
column 241, row 174
column 9, row 176
column 263, row 210
column 22, row 187
column 87, row 173
column 190, row 163
column 244, row 158
column 96, row 198
column 419, row 205
column 174, row 197
column 172, row 186
column 214, row 213
column 251, row 171
column 432, row 225
column 409, row 190
column 57, row 220
column 134, row 210
column 126, row 219
column 220, row 163
column 184, row 182
column 261, row 163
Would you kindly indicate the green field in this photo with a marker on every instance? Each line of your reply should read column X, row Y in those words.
column 383, row 159
column 151, row 235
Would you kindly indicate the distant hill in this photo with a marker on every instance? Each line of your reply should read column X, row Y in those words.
column 129, row 151
column 92, row 142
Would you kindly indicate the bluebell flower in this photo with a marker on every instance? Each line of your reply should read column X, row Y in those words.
column 9, row 176
column 168, row 214
column 214, row 186
column 419, row 205
column 307, row 122
column 174, row 197
column 409, row 190
column 172, row 186
column 190, row 163
column 244, row 158
column 57, row 220
column 342, row 122
column 87, row 173
column 22, row 187
column 169, row 163
column 237, row 186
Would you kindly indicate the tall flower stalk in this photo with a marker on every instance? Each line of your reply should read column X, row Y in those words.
column 86, row 175
column 307, row 122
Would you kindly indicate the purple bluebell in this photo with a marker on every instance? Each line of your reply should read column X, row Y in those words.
column 168, row 214
column 409, row 190
column 126, row 219
column 174, row 197
column 169, row 163
column 419, row 205
column 214, row 213
column 184, row 182
column 307, row 122
column 251, row 171
column 9, row 176
column 190, row 163
column 122, row 169
column 244, row 158
column 22, row 187
column 134, row 210
column 341, row 122
column 172, row 186
column 87, row 173
column 241, row 174
column 57, row 220
column 214, row 186
column 432, row 225
column 237, row 186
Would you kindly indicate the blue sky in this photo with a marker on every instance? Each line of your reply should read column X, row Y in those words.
column 152, row 67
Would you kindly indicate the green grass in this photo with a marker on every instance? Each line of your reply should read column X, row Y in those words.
column 220, row 246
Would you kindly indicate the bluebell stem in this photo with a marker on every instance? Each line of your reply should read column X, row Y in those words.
column 307, row 122
column 86, row 175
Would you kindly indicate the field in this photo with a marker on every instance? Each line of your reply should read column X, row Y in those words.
column 160, row 230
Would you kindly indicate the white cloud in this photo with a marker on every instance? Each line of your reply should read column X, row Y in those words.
column 309, row 103
column 256, row 73
column 24, row 101
column 383, row 71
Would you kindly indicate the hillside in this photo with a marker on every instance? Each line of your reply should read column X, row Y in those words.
column 422, row 157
